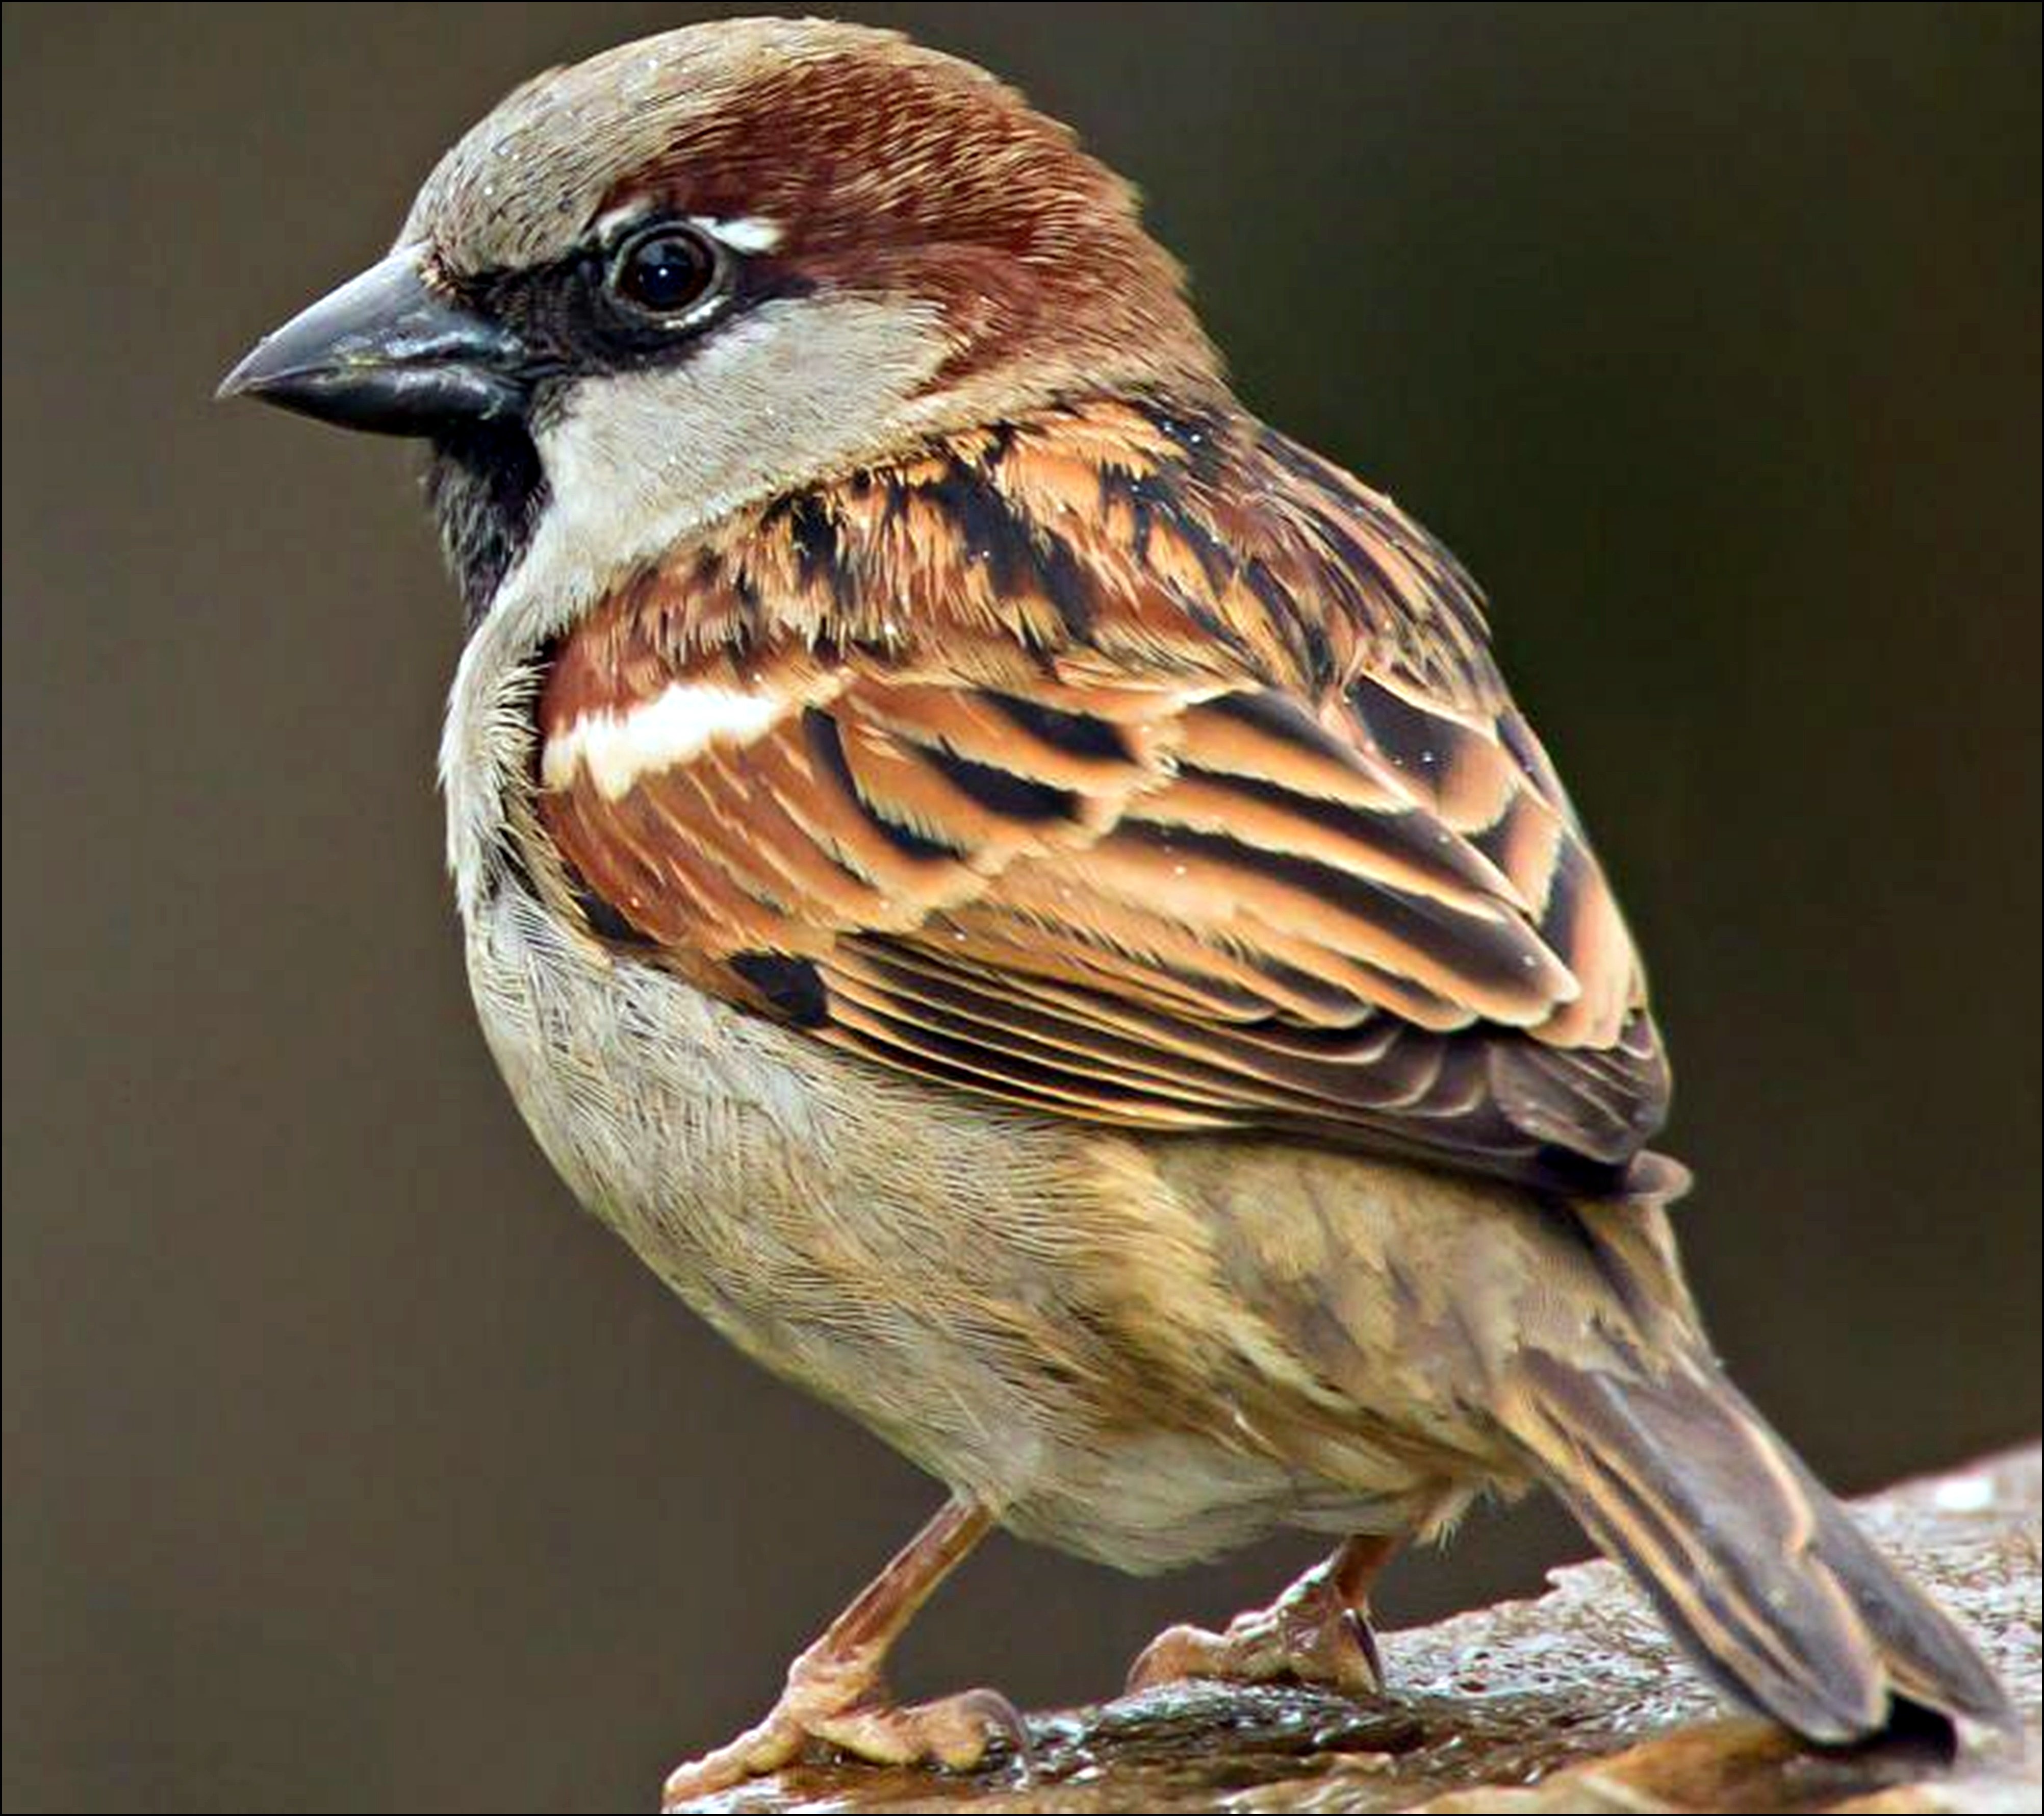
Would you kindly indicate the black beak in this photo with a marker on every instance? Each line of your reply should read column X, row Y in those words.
column 385, row 352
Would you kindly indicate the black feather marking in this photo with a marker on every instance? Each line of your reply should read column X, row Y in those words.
column 1486, row 954
column 909, row 842
column 1193, row 434
column 1302, row 633
column 1281, row 716
column 1424, row 744
column 817, row 553
column 602, row 917
column 1414, row 838
column 1141, row 493
column 791, row 985
column 1076, row 734
column 819, row 732
column 1449, row 589
column 1016, row 555
column 1155, row 498
column 1000, row 790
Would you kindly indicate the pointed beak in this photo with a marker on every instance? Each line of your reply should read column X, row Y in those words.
column 388, row 353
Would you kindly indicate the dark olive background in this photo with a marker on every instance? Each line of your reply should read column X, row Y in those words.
column 347, row 1465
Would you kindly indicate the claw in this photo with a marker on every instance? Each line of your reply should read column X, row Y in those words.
column 1004, row 1719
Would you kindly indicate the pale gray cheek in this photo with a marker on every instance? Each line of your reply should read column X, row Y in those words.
column 636, row 462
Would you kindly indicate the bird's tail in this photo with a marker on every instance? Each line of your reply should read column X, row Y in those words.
column 1759, row 1571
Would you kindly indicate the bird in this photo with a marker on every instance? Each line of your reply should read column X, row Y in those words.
column 1023, row 894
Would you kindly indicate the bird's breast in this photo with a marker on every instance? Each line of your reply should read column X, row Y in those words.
column 1024, row 1308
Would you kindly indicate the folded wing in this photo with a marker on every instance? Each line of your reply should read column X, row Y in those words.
column 1114, row 768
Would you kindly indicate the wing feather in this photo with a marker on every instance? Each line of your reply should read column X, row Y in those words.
column 1123, row 765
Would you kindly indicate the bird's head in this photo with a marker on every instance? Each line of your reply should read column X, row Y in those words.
column 697, row 270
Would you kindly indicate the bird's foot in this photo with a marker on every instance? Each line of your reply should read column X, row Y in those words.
column 1316, row 1632
column 838, row 1700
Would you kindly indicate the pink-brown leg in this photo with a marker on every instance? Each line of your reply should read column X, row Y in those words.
column 835, row 1693
column 1317, row 1631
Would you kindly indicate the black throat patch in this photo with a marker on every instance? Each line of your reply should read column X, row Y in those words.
column 487, row 488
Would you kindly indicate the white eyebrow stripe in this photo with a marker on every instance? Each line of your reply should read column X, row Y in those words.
column 613, row 224
column 742, row 233
column 679, row 723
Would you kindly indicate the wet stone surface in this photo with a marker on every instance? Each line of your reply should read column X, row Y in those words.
column 1573, row 1702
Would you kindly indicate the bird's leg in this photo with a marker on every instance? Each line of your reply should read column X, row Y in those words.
column 835, row 1693
column 1317, row 1631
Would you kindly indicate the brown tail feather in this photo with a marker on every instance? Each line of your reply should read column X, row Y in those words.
column 1753, row 1563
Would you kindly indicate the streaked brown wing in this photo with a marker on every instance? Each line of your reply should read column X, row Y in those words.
column 1187, row 801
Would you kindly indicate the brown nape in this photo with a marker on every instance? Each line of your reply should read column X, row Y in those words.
column 885, row 169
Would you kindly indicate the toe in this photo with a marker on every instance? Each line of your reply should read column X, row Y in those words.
column 954, row 1733
column 759, row 1750
column 1334, row 1649
column 1178, row 1655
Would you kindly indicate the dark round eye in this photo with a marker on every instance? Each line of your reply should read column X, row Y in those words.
column 664, row 270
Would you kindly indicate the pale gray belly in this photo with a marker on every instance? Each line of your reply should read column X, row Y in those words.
column 924, row 1265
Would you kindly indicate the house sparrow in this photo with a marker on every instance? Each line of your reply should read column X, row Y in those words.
column 1021, row 893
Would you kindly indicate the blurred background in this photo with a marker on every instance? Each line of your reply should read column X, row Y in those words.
column 347, row 1466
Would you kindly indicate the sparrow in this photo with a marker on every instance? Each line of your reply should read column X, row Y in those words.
column 1022, row 893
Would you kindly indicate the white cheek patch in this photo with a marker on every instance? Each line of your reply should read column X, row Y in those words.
column 680, row 722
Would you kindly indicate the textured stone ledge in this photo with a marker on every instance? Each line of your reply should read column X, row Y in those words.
column 1573, row 1702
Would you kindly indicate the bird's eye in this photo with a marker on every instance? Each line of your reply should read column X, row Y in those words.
column 664, row 270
